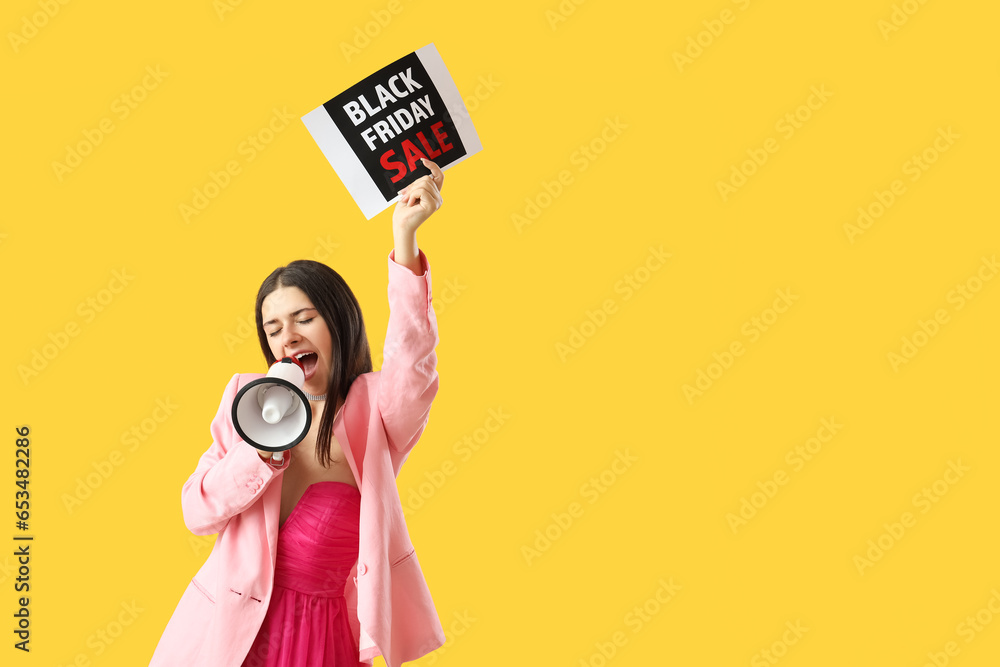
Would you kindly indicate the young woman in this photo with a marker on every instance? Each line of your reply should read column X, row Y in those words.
column 313, row 565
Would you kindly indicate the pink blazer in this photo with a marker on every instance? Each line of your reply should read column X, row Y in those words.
column 234, row 493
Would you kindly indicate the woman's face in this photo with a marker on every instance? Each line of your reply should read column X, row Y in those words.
column 295, row 328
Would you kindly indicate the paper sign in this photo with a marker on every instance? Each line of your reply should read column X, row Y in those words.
column 375, row 132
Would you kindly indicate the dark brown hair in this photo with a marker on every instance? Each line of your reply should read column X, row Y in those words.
column 350, row 353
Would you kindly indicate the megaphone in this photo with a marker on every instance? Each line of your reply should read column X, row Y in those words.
column 272, row 413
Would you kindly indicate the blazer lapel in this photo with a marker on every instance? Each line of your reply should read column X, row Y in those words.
column 354, row 411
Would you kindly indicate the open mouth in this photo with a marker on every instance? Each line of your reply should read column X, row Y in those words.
column 308, row 361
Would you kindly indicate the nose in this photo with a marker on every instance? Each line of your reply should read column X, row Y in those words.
column 289, row 338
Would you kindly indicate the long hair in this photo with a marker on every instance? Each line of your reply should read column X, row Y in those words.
column 350, row 353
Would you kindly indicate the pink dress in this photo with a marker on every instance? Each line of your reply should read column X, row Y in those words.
column 306, row 624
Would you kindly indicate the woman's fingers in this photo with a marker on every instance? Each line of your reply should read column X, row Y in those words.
column 418, row 200
column 423, row 187
column 417, row 194
column 436, row 176
column 436, row 173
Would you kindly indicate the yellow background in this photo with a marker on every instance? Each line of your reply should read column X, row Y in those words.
column 174, row 333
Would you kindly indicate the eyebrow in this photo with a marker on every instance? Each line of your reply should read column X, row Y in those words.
column 300, row 310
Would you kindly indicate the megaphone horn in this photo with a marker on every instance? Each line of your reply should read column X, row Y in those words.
column 272, row 413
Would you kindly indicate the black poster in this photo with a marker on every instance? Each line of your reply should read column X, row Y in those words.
column 393, row 118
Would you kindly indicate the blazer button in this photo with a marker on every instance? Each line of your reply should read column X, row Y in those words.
column 361, row 568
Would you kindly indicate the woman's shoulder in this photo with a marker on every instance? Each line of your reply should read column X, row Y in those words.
column 245, row 378
column 363, row 384
column 235, row 383
column 363, row 393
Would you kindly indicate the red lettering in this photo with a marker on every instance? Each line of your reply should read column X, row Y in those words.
column 396, row 164
column 440, row 136
column 431, row 152
column 412, row 154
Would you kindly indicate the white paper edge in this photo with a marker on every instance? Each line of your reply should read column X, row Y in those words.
column 445, row 84
column 343, row 160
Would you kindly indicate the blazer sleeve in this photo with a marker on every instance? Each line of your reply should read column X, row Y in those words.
column 230, row 476
column 408, row 380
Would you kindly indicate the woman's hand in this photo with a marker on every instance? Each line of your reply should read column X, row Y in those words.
column 268, row 457
column 418, row 200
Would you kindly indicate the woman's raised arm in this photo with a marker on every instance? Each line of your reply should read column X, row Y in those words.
column 409, row 378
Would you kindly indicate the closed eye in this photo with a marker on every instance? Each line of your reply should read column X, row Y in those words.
column 277, row 331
